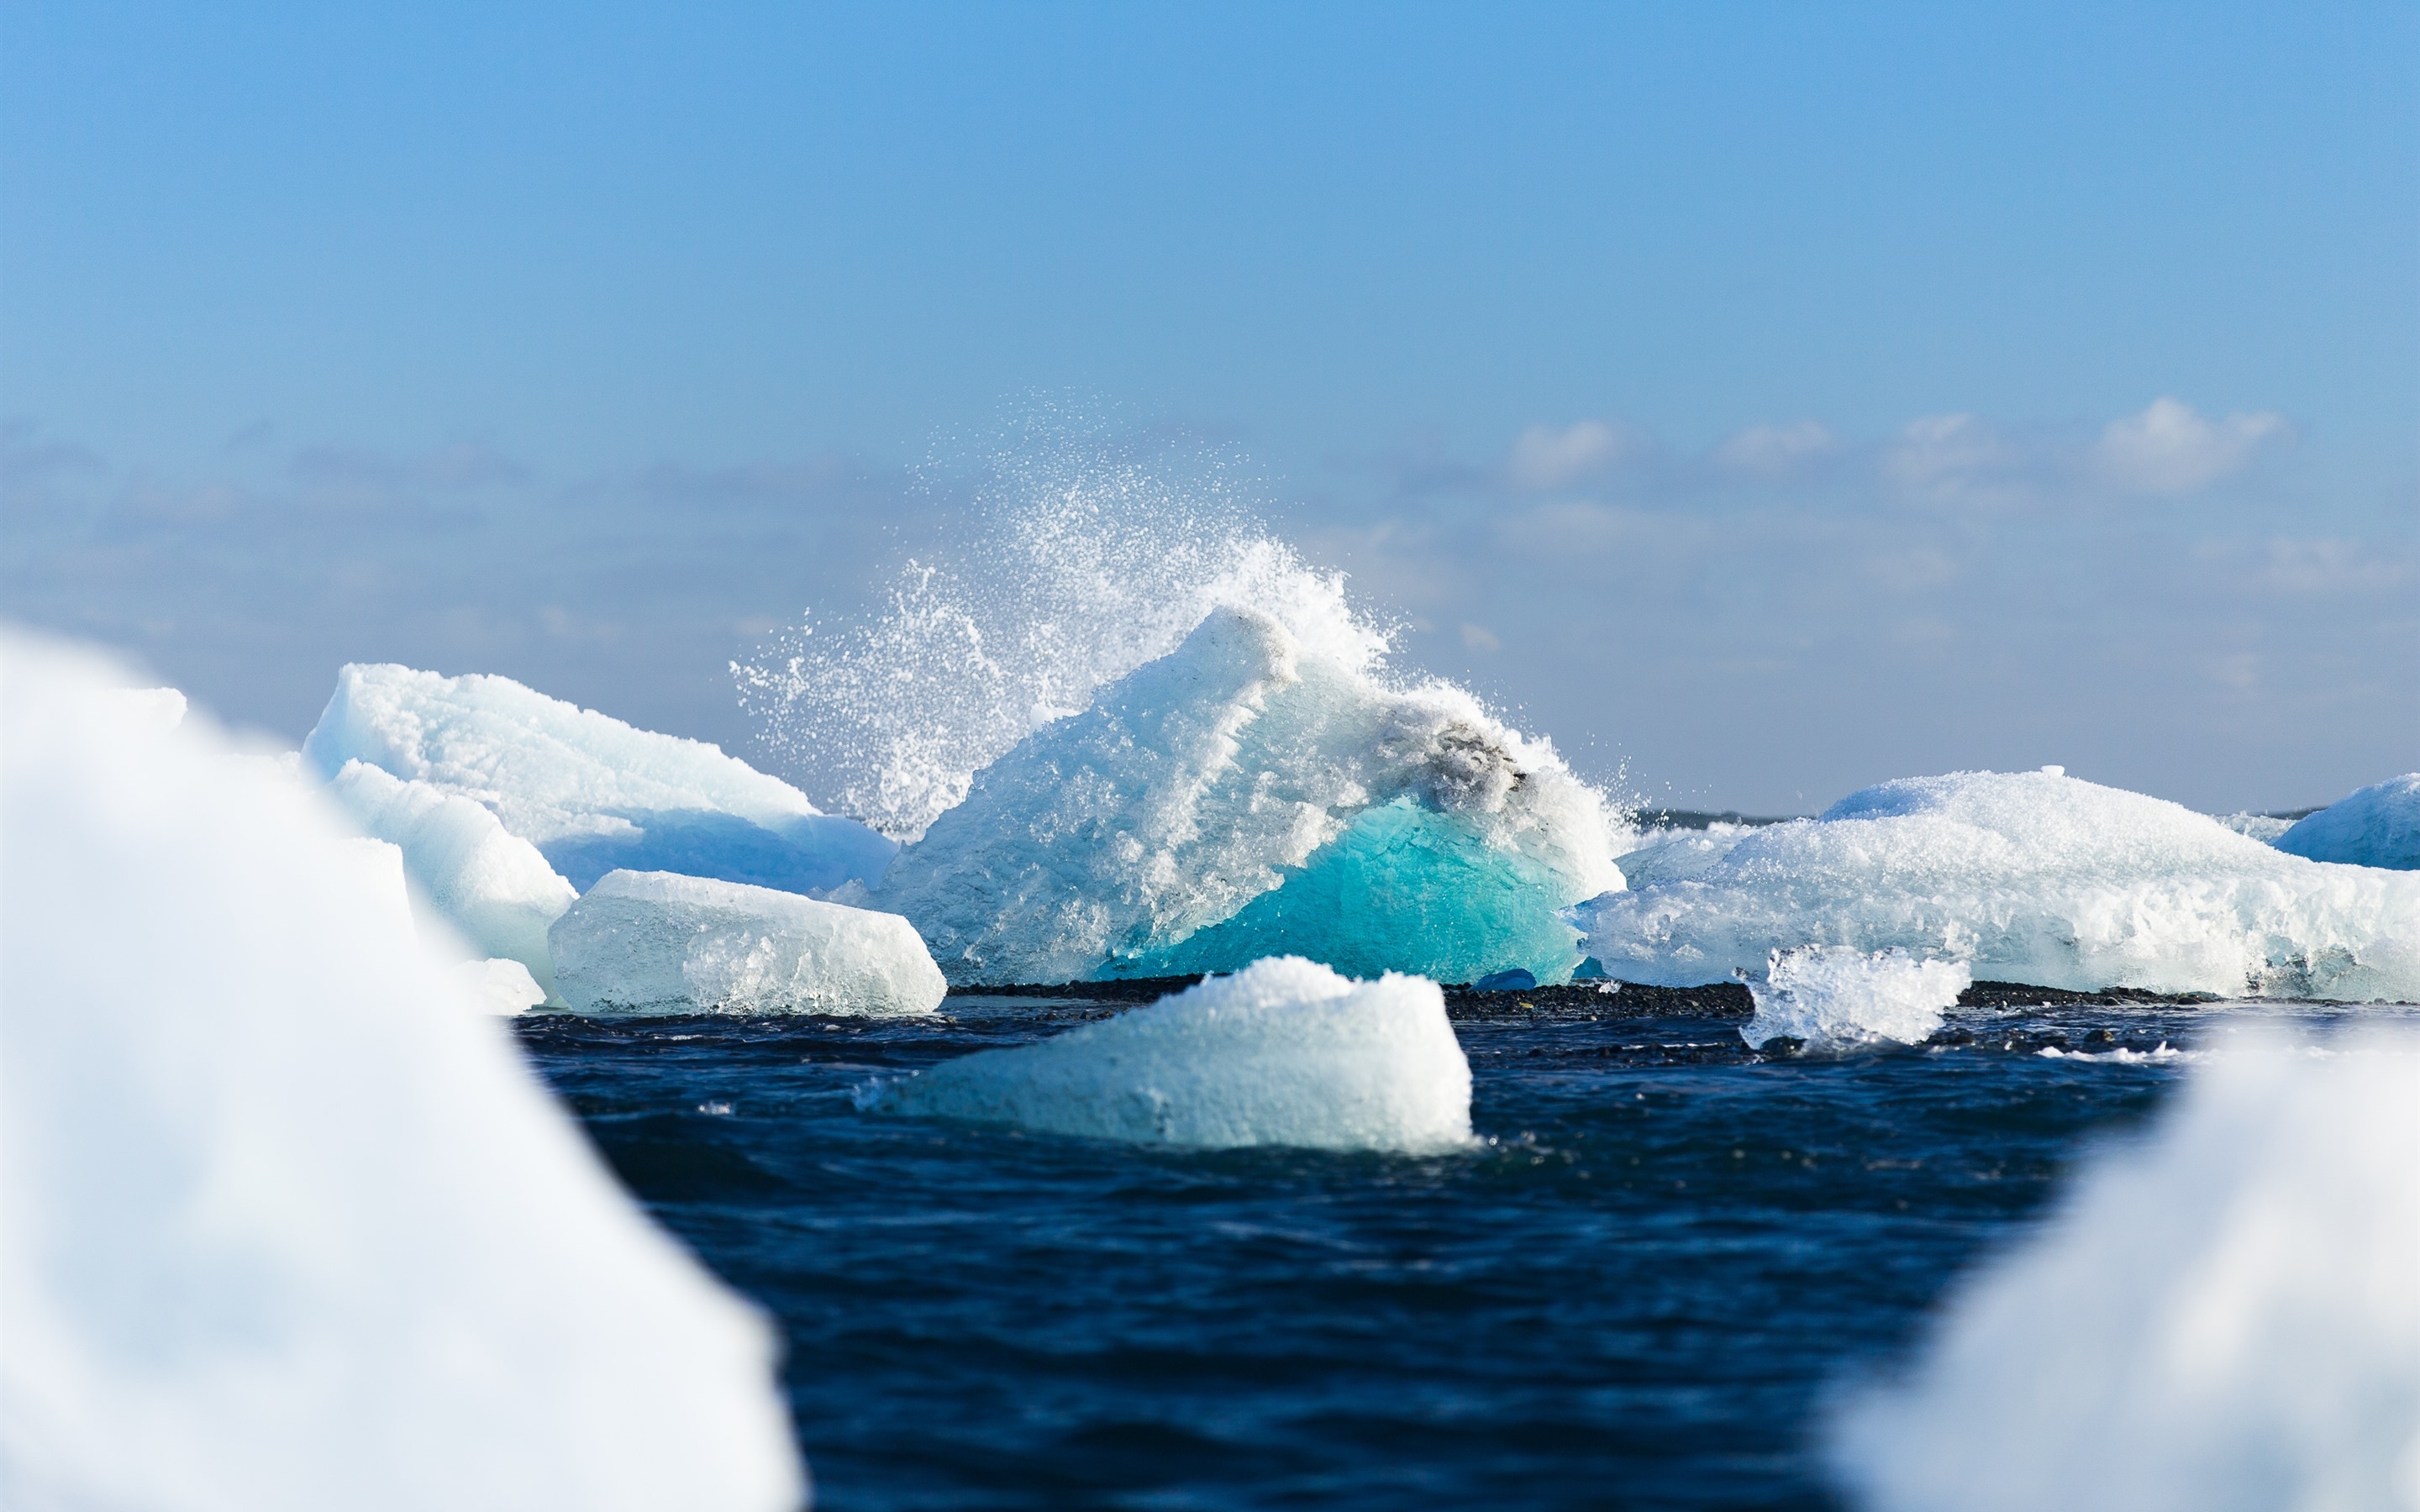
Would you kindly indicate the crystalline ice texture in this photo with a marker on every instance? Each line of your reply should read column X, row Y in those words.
column 1836, row 998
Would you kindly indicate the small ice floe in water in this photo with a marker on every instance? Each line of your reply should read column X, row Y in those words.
column 591, row 793
column 651, row 941
column 285, row 1226
column 2026, row 877
column 503, row 987
column 1256, row 792
column 2222, row 1316
column 2379, row 825
column 492, row 886
column 1835, row 998
column 1285, row 1052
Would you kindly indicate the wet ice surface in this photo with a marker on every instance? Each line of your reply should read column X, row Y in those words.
column 1640, row 1293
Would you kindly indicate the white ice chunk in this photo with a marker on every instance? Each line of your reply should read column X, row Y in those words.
column 591, row 793
column 2223, row 1319
column 1841, row 999
column 158, row 710
column 379, row 864
column 1248, row 795
column 492, row 886
column 1284, row 1052
column 651, row 941
column 2260, row 826
column 285, row 1224
column 2032, row 877
column 504, row 988
column 2379, row 825
column 1675, row 855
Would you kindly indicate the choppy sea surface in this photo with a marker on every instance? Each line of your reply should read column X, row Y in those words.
column 1639, row 1291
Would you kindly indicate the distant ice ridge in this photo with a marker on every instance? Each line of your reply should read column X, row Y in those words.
column 1252, row 793
column 2029, row 877
column 1284, row 1052
column 591, row 793
column 650, row 942
column 2260, row 826
column 2220, row 1318
column 1836, row 998
column 284, row 1224
column 2379, row 825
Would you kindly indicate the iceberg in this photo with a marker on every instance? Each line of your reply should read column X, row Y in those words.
column 272, row 1245
column 1255, row 792
column 1839, row 1000
column 504, row 988
column 2379, row 825
column 653, row 942
column 492, row 886
column 2030, row 876
column 592, row 794
column 2222, row 1317
column 1285, row 1052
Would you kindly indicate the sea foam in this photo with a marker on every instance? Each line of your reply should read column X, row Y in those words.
column 2029, row 877
column 1284, row 1052
column 285, row 1222
column 2221, row 1317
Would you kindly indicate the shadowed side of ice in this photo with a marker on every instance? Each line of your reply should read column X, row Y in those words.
column 651, row 941
column 1255, row 792
column 593, row 793
column 1285, row 1052
column 2222, row 1317
column 286, row 1223
column 2378, row 826
column 2033, row 877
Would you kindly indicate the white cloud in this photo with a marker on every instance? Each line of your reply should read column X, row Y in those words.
column 2170, row 449
column 1548, row 457
column 1947, row 454
column 1777, row 451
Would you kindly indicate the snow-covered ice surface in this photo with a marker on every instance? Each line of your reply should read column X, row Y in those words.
column 491, row 886
column 1284, row 1052
column 1677, row 854
column 2379, row 825
column 652, row 942
column 285, row 1222
column 590, row 792
column 2034, row 877
column 1254, row 793
column 2224, row 1316
column 1836, row 998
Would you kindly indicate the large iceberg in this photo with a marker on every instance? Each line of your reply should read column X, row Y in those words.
column 1284, row 1052
column 2029, row 876
column 1258, row 793
column 494, row 887
column 2379, row 825
column 651, row 941
column 285, row 1225
column 591, row 793
column 2225, row 1318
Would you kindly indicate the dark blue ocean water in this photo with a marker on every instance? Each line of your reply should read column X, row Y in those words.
column 1638, row 1294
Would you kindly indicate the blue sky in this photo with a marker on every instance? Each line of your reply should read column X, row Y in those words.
column 1774, row 399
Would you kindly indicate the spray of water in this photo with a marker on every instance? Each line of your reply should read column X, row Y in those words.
column 1089, row 553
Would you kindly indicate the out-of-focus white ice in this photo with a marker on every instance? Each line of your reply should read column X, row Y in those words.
column 379, row 864
column 591, row 793
column 1255, row 794
column 1284, row 1052
column 504, row 988
column 284, row 1224
column 2029, row 877
column 2379, row 825
column 156, row 709
column 651, row 941
column 1835, row 998
column 491, row 886
column 2224, row 1316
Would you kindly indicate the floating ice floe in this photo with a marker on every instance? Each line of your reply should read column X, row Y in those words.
column 1284, row 1052
column 2379, row 825
column 492, row 886
column 2033, row 877
column 284, row 1224
column 1836, row 998
column 2222, row 1317
column 1256, row 794
column 591, row 793
column 651, row 941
